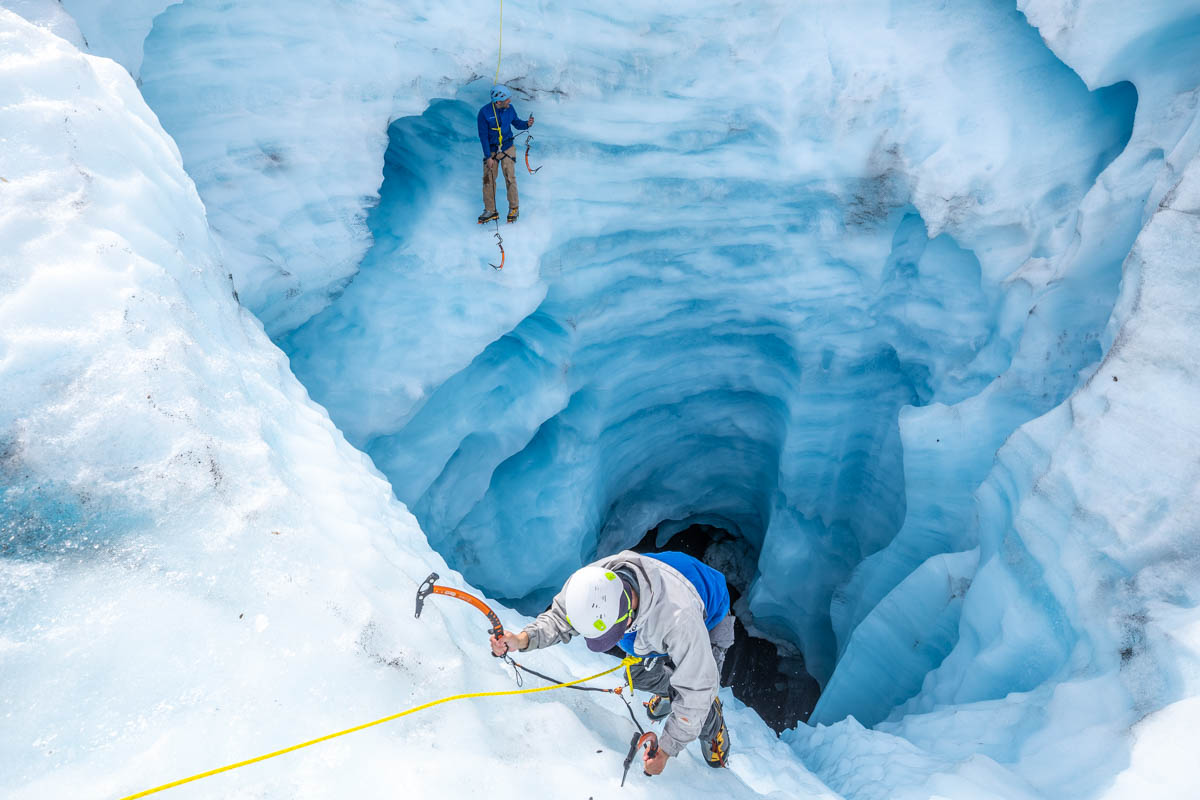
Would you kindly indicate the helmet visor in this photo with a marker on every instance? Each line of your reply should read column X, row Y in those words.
column 609, row 638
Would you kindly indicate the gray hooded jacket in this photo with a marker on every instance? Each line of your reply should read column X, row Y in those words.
column 669, row 619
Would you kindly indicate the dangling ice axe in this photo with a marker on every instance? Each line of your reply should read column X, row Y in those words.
column 500, row 244
column 430, row 587
column 528, row 144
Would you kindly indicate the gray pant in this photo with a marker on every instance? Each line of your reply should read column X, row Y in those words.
column 655, row 675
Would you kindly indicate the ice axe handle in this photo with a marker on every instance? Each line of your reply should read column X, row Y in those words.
column 429, row 587
column 497, row 630
column 633, row 748
column 650, row 740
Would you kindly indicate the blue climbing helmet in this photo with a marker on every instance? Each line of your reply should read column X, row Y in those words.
column 500, row 93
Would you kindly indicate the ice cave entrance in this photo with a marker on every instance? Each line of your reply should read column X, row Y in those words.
column 765, row 676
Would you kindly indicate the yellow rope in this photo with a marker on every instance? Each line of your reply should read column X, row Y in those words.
column 500, row 49
column 625, row 663
column 499, row 53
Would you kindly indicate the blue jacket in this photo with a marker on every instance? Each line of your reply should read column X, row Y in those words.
column 488, row 128
column 709, row 583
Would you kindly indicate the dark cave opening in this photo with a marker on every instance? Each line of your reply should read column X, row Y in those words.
column 775, row 684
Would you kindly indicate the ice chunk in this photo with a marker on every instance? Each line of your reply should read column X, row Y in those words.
column 48, row 14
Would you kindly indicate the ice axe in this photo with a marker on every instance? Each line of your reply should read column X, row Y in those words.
column 430, row 587
column 528, row 143
column 649, row 740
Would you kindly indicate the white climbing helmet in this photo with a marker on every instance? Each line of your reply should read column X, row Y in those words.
column 598, row 606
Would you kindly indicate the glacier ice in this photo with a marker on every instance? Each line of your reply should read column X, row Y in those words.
column 51, row 16
column 901, row 294
column 740, row 353
column 197, row 566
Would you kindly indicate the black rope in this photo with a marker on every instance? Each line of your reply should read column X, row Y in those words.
column 629, row 706
column 516, row 675
column 637, row 737
column 548, row 679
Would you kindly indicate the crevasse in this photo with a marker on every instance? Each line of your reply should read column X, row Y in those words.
column 895, row 293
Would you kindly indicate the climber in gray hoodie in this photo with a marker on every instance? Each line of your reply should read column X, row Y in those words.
column 668, row 608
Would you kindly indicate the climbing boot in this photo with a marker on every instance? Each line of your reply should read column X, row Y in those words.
column 658, row 707
column 488, row 216
column 513, row 214
column 716, row 749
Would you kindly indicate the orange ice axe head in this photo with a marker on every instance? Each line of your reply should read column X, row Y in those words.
column 429, row 586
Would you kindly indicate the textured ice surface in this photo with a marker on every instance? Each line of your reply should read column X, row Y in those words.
column 116, row 28
column 195, row 566
column 716, row 310
column 841, row 279
column 49, row 15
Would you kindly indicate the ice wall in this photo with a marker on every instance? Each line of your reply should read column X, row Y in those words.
column 717, row 308
column 1081, row 623
column 48, row 15
column 1163, row 140
column 195, row 566
column 758, row 311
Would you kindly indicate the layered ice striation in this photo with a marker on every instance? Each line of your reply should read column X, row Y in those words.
column 897, row 293
column 734, row 301
column 195, row 566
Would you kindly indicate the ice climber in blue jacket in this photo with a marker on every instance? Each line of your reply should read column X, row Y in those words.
column 668, row 608
column 496, row 137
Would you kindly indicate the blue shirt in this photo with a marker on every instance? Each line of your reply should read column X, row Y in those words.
column 491, row 135
column 709, row 583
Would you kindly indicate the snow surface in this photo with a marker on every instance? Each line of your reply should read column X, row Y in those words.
column 50, row 15
column 887, row 289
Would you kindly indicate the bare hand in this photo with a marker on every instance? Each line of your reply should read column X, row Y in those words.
column 509, row 641
column 531, row 120
column 654, row 766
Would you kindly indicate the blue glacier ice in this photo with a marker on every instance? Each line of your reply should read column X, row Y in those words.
column 900, row 294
